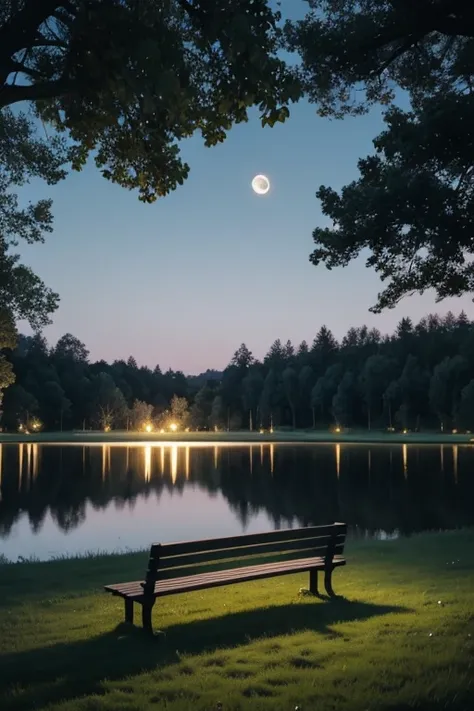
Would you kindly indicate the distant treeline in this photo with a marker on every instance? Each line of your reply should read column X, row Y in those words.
column 421, row 376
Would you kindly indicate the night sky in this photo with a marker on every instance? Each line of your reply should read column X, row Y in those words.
column 184, row 281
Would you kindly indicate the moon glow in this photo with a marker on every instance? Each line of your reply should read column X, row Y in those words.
column 260, row 184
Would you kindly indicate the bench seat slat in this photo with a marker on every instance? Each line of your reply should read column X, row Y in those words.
column 188, row 583
column 211, row 544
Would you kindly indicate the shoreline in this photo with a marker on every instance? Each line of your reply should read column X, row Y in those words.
column 235, row 438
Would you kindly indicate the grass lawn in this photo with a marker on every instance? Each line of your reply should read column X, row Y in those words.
column 241, row 437
column 388, row 644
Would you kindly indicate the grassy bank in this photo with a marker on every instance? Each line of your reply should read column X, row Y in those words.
column 388, row 644
column 297, row 436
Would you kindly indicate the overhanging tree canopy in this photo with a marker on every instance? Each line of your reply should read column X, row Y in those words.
column 412, row 206
column 128, row 79
column 124, row 81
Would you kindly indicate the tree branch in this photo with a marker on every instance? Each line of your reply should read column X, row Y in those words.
column 43, row 42
column 397, row 53
column 20, row 31
column 454, row 27
column 20, row 67
column 11, row 94
column 428, row 19
column 463, row 177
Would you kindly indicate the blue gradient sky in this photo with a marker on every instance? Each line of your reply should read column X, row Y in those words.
column 184, row 281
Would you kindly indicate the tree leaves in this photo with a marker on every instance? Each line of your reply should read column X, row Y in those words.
column 130, row 80
column 412, row 207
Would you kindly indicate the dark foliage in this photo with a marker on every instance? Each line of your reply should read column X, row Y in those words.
column 420, row 376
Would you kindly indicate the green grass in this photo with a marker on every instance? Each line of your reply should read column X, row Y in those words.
column 387, row 644
column 284, row 436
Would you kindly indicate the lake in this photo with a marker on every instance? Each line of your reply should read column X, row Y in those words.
column 67, row 499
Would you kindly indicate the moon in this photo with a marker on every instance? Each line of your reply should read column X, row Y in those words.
column 261, row 184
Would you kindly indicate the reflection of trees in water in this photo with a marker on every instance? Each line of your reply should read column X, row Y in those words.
column 376, row 488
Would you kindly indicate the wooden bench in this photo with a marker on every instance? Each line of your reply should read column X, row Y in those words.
column 196, row 565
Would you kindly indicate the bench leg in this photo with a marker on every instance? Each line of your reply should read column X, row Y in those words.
column 128, row 610
column 313, row 582
column 328, row 582
column 147, row 608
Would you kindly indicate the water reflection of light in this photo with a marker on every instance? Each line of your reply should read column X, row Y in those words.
column 105, row 460
column 251, row 458
column 455, row 462
column 272, row 457
column 147, row 462
column 28, row 459
column 162, row 460
column 338, row 459
column 261, row 455
column 216, row 457
column 441, row 457
column 405, row 459
column 186, row 462
column 369, row 461
column 35, row 461
column 20, row 464
column 174, row 463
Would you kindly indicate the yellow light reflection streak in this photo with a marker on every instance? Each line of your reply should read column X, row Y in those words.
column 174, row 463
column 186, row 462
column 405, row 460
column 216, row 457
column 162, row 460
column 105, row 460
column 35, row 460
column 441, row 457
column 338, row 460
column 147, row 462
column 455, row 462
column 251, row 458
column 272, row 457
column 28, row 460
column 261, row 455
column 20, row 464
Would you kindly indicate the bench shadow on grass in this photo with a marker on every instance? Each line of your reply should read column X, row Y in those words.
column 66, row 671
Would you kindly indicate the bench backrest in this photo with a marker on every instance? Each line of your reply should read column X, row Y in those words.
column 171, row 560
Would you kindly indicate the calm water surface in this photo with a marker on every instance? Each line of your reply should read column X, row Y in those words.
column 72, row 499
